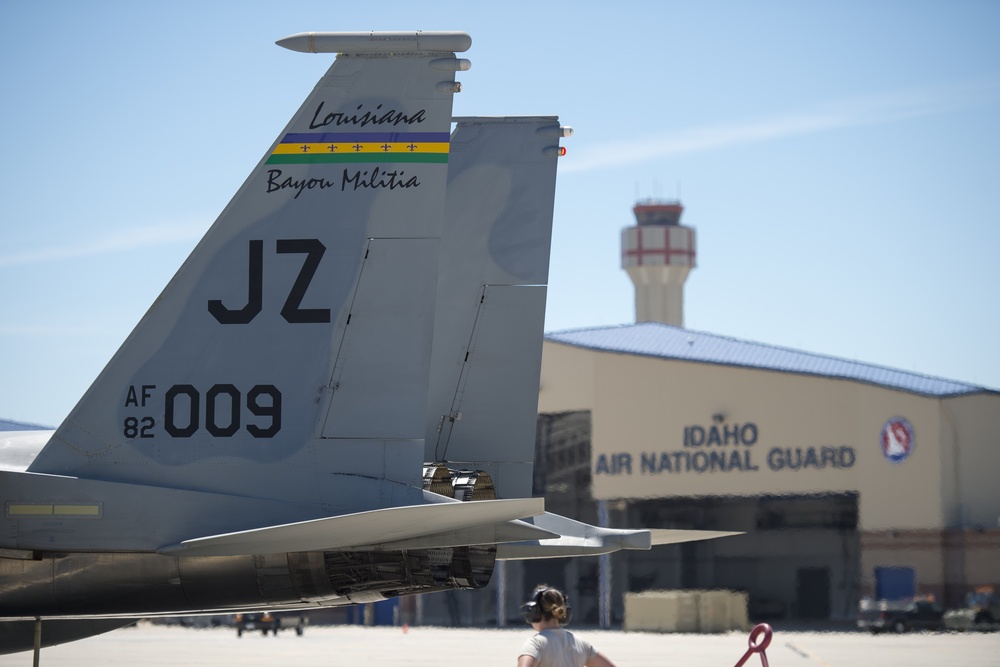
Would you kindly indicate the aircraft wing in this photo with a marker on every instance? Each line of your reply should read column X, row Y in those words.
column 16, row 636
column 581, row 539
column 375, row 527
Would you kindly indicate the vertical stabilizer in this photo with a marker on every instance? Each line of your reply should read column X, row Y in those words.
column 262, row 364
column 483, row 394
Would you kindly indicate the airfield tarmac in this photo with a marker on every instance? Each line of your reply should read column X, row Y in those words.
column 353, row 645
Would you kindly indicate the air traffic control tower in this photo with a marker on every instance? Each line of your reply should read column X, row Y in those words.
column 658, row 252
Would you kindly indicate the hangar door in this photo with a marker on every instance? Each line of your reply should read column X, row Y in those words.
column 812, row 588
column 798, row 556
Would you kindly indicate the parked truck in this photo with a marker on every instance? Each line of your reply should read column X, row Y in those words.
column 900, row 615
column 981, row 612
column 269, row 622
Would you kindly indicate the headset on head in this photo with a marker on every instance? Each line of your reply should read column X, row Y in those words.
column 533, row 612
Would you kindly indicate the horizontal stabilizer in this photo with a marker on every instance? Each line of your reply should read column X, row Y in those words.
column 669, row 536
column 349, row 531
column 581, row 539
column 508, row 531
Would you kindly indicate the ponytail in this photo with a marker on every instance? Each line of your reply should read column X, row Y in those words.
column 555, row 605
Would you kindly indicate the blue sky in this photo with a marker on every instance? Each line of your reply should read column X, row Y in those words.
column 840, row 161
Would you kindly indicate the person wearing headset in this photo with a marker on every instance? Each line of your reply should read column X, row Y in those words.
column 552, row 646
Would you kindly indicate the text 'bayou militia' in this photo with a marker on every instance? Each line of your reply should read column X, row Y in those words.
column 372, row 179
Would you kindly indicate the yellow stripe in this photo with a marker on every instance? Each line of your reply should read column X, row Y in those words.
column 78, row 510
column 367, row 147
column 13, row 510
column 43, row 509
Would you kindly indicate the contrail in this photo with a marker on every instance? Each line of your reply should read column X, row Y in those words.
column 852, row 112
column 119, row 241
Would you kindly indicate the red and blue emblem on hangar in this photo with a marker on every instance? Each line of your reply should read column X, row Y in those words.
column 897, row 439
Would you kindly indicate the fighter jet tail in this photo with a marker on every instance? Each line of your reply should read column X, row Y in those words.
column 487, row 349
column 295, row 340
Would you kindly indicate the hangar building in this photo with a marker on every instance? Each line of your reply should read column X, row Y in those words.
column 848, row 479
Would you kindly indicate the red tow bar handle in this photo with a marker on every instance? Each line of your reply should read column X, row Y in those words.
column 758, row 647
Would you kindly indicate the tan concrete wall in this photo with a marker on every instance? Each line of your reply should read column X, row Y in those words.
column 567, row 379
column 970, row 431
column 643, row 406
column 975, row 556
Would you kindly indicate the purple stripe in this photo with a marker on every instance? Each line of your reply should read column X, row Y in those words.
column 342, row 137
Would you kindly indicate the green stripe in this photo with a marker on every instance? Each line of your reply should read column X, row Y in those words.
column 324, row 158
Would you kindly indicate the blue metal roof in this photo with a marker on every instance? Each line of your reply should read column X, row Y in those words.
column 11, row 425
column 664, row 341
